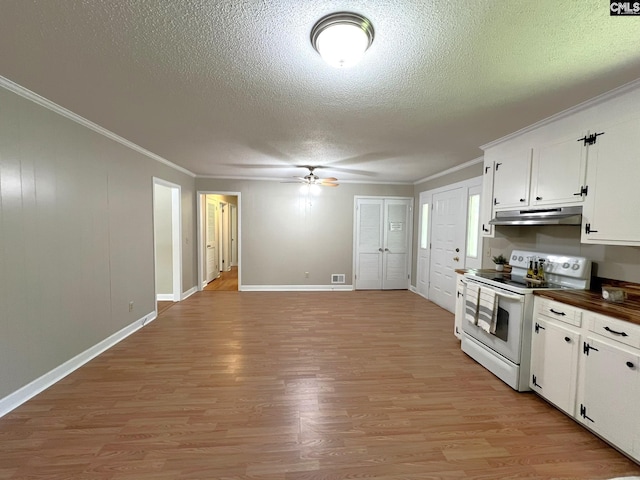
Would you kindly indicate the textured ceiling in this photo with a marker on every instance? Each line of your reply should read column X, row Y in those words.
column 233, row 88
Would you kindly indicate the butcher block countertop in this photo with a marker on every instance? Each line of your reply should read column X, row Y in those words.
column 628, row 310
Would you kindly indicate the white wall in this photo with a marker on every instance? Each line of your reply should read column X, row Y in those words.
column 76, row 238
column 610, row 261
column 285, row 233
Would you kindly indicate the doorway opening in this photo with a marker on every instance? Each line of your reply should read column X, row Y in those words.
column 219, row 241
column 167, row 241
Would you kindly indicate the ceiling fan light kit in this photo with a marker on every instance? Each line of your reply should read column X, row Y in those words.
column 342, row 38
column 312, row 179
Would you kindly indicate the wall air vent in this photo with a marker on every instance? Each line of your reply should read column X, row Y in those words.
column 337, row 278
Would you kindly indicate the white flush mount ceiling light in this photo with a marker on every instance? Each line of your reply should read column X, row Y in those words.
column 342, row 38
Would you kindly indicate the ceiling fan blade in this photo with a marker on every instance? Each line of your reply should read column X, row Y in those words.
column 328, row 179
column 328, row 184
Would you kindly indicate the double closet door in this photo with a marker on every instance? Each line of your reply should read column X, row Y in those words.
column 383, row 243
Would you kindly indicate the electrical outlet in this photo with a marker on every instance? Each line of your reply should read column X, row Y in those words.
column 131, row 306
column 306, row 274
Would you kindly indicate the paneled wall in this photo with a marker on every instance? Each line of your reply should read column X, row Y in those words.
column 76, row 238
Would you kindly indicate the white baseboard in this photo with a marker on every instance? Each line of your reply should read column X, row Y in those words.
column 189, row 292
column 164, row 297
column 296, row 288
column 20, row 396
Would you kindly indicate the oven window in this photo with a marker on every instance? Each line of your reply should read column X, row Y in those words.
column 502, row 324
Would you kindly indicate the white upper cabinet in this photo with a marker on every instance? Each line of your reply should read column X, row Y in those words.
column 558, row 172
column 486, row 204
column 511, row 180
column 610, row 213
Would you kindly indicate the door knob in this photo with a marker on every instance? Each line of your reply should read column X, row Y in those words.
column 457, row 259
column 380, row 249
column 457, row 250
column 386, row 249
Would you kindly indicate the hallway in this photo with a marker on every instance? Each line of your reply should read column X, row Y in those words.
column 226, row 282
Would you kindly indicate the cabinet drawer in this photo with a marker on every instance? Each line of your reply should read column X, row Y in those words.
column 619, row 330
column 560, row 311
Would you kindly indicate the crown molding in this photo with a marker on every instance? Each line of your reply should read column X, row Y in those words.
column 627, row 87
column 457, row 168
column 35, row 98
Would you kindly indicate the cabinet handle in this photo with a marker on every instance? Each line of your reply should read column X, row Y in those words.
column 523, row 199
column 622, row 334
column 495, row 201
column 557, row 313
column 567, row 339
column 484, row 229
column 630, row 364
column 538, row 198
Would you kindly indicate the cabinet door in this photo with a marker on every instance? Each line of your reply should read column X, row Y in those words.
column 511, row 180
column 613, row 170
column 609, row 393
column 460, row 291
column 486, row 206
column 555, row 351
column 558, row 172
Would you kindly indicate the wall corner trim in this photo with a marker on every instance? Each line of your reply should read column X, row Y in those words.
column 20, row 396
column 43, row 102
column 189, row 292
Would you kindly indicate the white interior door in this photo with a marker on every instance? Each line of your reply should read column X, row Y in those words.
column 448, row 216
column 233, row 213
column 211, row 241
column 225, row 261
column 422, row 282
column 368, row 264
column 382, row 243
column 396, row 244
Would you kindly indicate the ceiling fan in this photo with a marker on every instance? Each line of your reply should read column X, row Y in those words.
column 312, row 179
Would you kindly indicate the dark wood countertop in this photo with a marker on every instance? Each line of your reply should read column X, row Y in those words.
column 629, row 310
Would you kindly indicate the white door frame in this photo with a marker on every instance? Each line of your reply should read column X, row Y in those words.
column 200, row 194
column 427, row 197
column 176, row 238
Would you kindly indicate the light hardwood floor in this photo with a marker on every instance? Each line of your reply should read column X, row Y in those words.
column 226, row 282
column 284, row 386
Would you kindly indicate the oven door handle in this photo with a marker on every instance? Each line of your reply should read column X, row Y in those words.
column 517, row 298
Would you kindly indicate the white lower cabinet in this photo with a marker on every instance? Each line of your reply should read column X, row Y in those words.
column 608, row 398
column 461, row 285
column 554, row 369
column 588, row 365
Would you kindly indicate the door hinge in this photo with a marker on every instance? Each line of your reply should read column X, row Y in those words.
column 590, row 139
column 534, row 382
column 588, row 229
column 583, row 413
column 583, row 191
column 538, row 327
column 586, row 347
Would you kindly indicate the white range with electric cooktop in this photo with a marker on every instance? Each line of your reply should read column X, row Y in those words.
column 505, row 348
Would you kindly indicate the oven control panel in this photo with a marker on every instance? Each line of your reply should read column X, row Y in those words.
column 565, row 265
